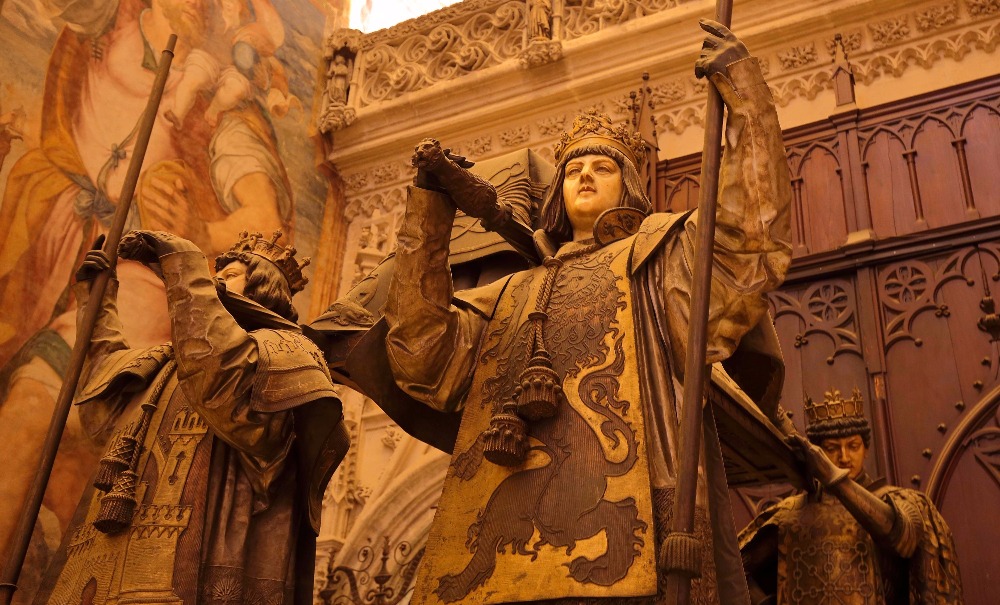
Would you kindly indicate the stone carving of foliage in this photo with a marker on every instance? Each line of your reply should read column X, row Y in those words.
column 978, row 8
column 478, row 147
column 385, row 173
column 852, row 41
column 552, row 126
column 672, row 90
column 892, row 30
column 445, row 52
column 937, row 17
column 798, row 56
column 356, row 181
column 515, row 136
column 591, row 16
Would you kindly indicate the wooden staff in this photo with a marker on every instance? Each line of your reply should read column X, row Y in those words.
column 696, row 371
column 26, row 522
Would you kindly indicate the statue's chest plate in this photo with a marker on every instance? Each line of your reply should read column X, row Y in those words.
column 827, row 557
column 575, row 519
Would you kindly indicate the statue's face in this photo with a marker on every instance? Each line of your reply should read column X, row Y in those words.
column 593, row 184
column 235, row 276
column 847, row 453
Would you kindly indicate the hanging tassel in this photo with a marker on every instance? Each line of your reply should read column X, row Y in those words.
column 539, row 389
column 117, row 459
column 506, row 440
column 118, row 505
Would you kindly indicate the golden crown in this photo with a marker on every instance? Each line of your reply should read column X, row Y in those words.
column 834, row 406
column 594, row 128
column 282, row 257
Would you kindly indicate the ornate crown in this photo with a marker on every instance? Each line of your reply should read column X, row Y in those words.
column 834, row 406
column 593, row 128
column 282, row 257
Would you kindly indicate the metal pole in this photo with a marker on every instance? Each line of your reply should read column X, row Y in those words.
column 26, row 522
column 696, row 371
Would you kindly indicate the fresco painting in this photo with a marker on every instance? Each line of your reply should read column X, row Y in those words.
column 231, row 150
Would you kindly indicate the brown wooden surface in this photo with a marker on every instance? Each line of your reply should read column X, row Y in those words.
column 898, row 315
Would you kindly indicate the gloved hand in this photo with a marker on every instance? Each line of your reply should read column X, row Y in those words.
column 720, row 49
column 95, row 262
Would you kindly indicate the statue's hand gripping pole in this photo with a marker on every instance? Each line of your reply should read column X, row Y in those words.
column 681, row 546
column 33, row 503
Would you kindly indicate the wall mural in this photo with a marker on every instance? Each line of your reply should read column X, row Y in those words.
column 230, row 151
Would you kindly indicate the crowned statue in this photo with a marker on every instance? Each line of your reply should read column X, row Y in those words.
column 218, row 444
column 851, row 538
column 565, row 378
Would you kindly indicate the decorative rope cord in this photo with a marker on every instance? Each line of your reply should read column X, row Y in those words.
column 118, row 505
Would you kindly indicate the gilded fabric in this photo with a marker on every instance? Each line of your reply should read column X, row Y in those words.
column 576, row 519
column 219, row 497
column 823, row 556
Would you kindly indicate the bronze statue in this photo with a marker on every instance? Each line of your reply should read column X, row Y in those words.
column 853, row 539
column 219, row 444
column 566, row 375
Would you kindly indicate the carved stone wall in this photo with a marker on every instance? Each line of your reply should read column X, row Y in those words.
column 901, row 165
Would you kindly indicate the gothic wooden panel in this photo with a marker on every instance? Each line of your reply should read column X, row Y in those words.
column 818, row 331
column 682, row 194
column 935, row 353
column 888, row 184
column 969, row 503
column 981, row 131
column 938, row 174
column 817, row 175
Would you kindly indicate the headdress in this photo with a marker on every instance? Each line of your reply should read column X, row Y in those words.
column 593, row 128
column 836, row 417
column 834, row 406
column 282, row 257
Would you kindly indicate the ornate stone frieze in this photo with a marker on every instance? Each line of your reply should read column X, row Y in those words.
column 585, row 18
column 446, row 51
column 515, row 137
column 936, row 17
column 852, row 41
column 926, row 53
column 552, row 126
column 797, row 56
column 978, row 8
column 540, row 52
column 383, row 201
column 886, row 32
column 385, row 173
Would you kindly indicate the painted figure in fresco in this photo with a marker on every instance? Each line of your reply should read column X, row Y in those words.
column 567, row 375
column 234, row 75
column 202, row 183
column 853, row 539
column 218, row 445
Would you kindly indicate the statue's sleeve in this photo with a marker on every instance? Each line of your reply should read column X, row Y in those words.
column 752, row 238
column 108, row 336
column 216, row 368
column 431, row 343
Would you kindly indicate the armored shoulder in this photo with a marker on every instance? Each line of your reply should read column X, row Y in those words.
column 652, row 235
column 290, row 371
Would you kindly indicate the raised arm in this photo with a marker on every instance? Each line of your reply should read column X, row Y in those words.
column 752, row 238
column 108, row 336
column 216, row 358
column 431, row 343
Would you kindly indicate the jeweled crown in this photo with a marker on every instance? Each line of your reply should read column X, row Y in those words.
column 834, row 406
column 282, row 257
column 594, row 128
